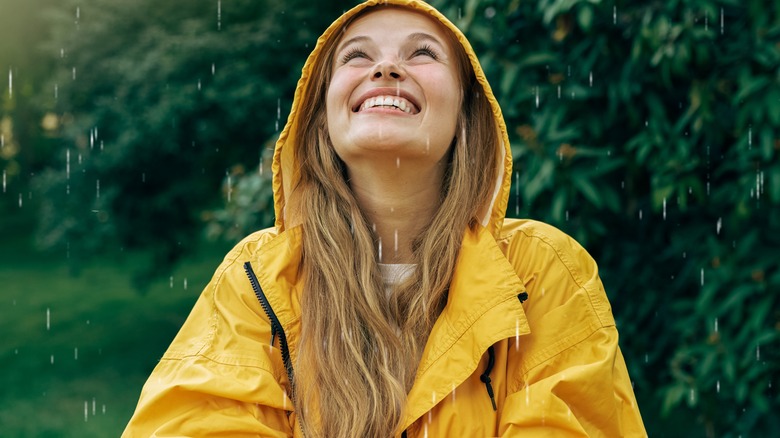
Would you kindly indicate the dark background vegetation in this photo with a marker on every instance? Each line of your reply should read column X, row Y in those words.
column 135, row 150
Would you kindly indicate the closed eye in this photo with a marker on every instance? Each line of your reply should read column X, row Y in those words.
column 425, row 50
column 353, row 53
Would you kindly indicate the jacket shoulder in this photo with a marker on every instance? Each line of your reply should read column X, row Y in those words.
column 538, row 247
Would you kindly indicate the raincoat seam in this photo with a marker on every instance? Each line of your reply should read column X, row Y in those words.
column 577, row 337
column 196, row 356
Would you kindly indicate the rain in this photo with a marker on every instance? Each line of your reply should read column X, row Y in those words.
column 110, row 235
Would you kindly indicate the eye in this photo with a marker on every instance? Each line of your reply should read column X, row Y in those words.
column 353, row 53
column 425, row 50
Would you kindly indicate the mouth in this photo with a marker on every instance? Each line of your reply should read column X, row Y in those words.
column 386, row 101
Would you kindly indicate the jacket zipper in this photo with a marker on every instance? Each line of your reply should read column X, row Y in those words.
column 276, row 326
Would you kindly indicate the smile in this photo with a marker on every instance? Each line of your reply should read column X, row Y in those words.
column 390, row 102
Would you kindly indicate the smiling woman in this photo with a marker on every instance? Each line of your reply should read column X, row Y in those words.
column 392, row 297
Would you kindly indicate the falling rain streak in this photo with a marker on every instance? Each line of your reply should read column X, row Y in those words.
column 10, row 83
column 4, row 181
column 48, row 319
column 219, row 14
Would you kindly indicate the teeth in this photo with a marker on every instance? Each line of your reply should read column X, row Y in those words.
column 387, row 101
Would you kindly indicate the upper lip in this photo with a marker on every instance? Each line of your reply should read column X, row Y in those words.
column 386, row 91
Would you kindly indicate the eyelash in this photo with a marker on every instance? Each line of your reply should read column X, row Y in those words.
column 356, row 52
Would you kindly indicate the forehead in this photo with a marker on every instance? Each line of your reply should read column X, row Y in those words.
column 395, row 22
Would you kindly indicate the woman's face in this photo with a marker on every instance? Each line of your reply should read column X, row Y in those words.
column 394, row 91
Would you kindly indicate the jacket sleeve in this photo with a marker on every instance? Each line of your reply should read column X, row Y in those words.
column 568, row 378
column 220, row 376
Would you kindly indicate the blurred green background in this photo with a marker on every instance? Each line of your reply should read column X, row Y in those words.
column 134, row 148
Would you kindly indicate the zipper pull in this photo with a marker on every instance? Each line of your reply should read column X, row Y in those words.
column 273, row 333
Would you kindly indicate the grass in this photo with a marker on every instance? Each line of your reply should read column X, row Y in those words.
column 76, row 350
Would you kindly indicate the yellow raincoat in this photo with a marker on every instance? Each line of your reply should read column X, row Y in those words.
column 526, row 345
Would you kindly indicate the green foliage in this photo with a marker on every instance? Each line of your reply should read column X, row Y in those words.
column 650, row 131
column 155, row 102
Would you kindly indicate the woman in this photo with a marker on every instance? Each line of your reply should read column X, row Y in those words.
column 392, row 297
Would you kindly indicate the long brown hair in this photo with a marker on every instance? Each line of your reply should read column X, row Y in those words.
column 359, row 351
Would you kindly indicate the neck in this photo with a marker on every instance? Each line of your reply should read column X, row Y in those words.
column 399, row 200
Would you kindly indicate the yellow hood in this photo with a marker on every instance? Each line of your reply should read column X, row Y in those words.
column 285, row 170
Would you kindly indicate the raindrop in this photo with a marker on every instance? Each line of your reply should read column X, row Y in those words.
column 74, row 73
column 185, row 283
column 397, row 162
column 170, row 282
column 62, row 52
column 750, row 137
column 76, row 353
column 490, row 12
column 395, row 242
column 567, row 215
column 717, row 386
column 104, row 409
column 51, row 359
column 56, row 91
column 664, row 208
column 2, row 141
column 647, row 358
column 199, row 85
column 559, row 91
column 48, row 319
column 721, row 21
column 647, row 123
column 229, row 188
column 614, row 14
column 4, row 180
column 719, row 225
column 10, row 83
column 640, row 215
column 716, row 325
column 213, row 69
column 97, row 189
column 93, row 406
column 219, row 14
column 706, row 21
column 517, row 335
column 380, row 250
column 591, row 78
column 693, row 395
column 702, row 276
column 86, row 410
column 537, row 96
column 758, row 352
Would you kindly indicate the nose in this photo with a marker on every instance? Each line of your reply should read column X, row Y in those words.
column 388, row 70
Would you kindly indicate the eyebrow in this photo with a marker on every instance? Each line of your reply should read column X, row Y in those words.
column 417, row 36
